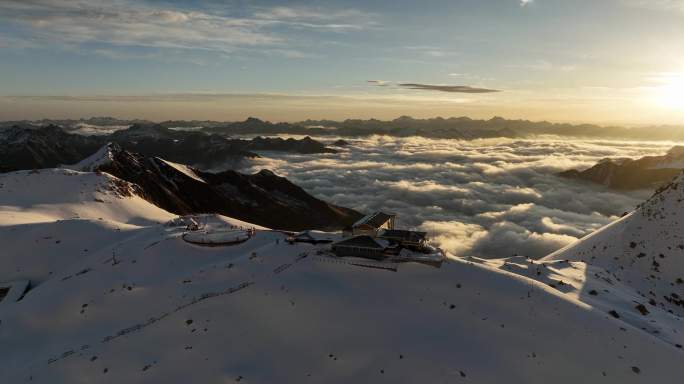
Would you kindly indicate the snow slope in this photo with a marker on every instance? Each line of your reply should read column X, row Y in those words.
column 644, row 249
column 54, row 217
column 144, row 306
column 103, row 156
column 59, row 194
column 640, row 260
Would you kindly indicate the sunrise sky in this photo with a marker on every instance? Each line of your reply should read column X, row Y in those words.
column 605, row 61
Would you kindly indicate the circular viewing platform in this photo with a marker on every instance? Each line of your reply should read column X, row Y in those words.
column 218, row 238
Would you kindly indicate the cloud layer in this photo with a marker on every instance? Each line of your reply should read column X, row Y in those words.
column 125, row 23
column 487, row 198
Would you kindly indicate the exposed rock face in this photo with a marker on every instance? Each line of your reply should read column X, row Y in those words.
column 196, row 148
column 29, row 148
column 628, row 174
column 262, row 198
column 26, row 147
column 48, row 147
column 306, row 145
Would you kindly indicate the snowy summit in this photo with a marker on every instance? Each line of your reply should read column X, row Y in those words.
column 102, row 286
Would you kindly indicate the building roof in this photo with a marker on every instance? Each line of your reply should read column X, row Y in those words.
column 411, row 236
column 362, row 241
column 375, row 219
column 314, row 235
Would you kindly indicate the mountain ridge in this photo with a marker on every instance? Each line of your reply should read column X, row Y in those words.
column 262, row 198
column 438, row 127
column 631, row 174
column 45, row 147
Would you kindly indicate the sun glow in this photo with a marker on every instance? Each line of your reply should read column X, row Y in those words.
column 671, row 93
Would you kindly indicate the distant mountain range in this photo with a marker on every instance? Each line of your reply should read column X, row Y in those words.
column 451, row 128
column 31, row 147
column 629, row 174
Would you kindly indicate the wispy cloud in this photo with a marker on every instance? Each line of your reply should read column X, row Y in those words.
column 525, row 3
column 432, row 87
column 122, row 23
column 432, row 51
column 471, row 77
column 447, row 88
column 380, row 83
column 544, row 65
column 351, row 19
column 663, row 5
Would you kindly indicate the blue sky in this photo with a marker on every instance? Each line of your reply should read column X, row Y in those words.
column 605, row 61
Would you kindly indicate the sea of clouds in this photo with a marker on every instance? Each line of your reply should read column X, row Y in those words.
column 488, row 198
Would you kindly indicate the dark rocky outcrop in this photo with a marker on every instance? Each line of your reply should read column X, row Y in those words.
column 628, row 174
column 262, row 198
column 306, row 145
column 195, row 148
column 23, row 147
column 29, row 147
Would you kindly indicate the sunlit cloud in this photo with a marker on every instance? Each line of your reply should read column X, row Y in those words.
column 380, row 83
column 487, row 198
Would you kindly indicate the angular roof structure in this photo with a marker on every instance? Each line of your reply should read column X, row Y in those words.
column 375, row 219
column 362, row 242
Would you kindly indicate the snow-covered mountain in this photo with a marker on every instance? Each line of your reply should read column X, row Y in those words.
column 262, row 198
column 116, row 294
column 627, row 174
column 25, row 147
column 639, row 263
column 31, row 147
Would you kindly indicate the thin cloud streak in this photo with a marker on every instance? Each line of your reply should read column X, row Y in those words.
column 380, row 83
column 447, row 88
column 431, row 87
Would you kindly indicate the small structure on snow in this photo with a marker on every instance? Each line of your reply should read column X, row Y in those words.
column 375, row 237
column 361, row 246
column 371, row 224
column 218, row 238
column 408, row 239
column 311, row 237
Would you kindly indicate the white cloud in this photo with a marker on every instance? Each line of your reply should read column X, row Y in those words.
column 524, row 3
column 486, row 198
